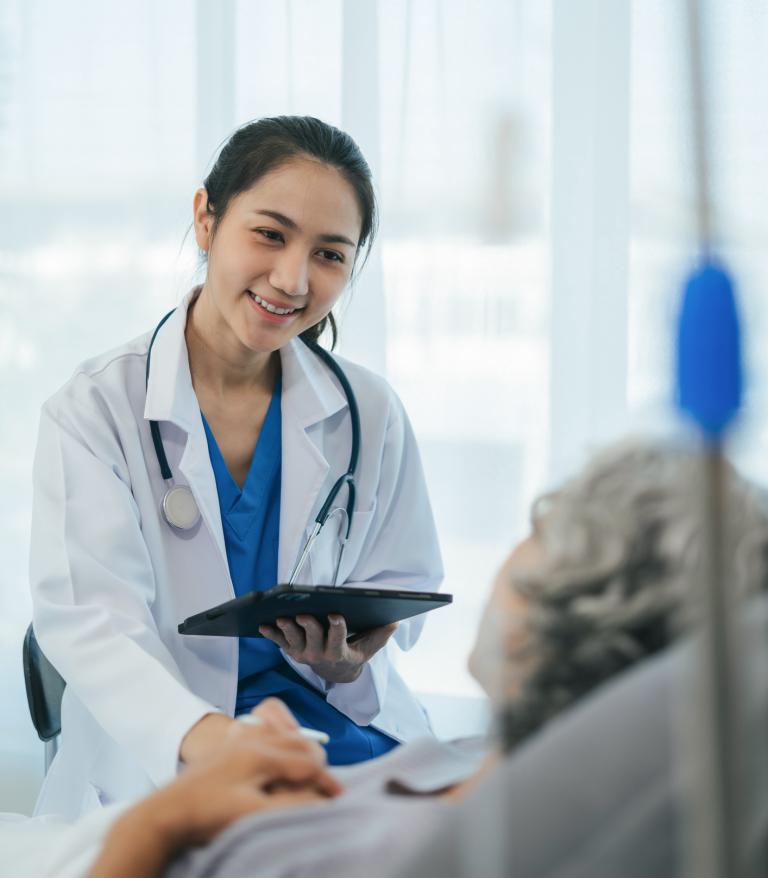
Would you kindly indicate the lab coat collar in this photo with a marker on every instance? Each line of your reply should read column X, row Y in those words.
column 310, row 393
column 170, row 395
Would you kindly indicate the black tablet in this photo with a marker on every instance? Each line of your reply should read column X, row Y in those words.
column 363, row 608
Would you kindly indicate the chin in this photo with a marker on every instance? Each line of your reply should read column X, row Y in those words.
column 263, row 344
column 268, row 337
column 475, row 668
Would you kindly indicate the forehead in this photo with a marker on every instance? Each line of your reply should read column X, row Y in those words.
column 312, row 194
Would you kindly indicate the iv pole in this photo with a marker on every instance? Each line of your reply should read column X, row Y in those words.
column 709, row 391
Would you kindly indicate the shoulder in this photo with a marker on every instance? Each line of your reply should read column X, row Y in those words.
column 377, row 401
column 381, row 408
column 367, row 382
column 102, row 380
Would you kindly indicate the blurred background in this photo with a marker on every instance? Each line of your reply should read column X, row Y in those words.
column 533, row 166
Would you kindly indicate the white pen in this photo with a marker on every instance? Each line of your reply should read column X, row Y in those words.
column 251, row 719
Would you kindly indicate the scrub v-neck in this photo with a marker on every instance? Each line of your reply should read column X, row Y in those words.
column 250, row 519
column 244, row 508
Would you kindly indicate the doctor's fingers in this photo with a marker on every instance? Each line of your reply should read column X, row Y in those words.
column 280, row 636
column 369, row 643
column 314, row 636
column 262, row 740
column 294, row 635
column 337, row 636
column 267, row 757
column 283, row 766
column 273, row 713
column 274, row 635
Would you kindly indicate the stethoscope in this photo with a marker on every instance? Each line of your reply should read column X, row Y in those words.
column 180, row 508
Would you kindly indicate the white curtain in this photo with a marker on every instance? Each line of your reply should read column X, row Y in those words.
column 532, row 163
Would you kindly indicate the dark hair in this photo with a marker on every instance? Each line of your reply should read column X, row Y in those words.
column 264, row 145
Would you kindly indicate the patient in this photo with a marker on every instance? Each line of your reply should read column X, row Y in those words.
column 605, row 579
column 596, row 589
column 599, row 789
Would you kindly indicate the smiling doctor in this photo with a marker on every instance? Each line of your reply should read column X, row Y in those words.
column 255, row 429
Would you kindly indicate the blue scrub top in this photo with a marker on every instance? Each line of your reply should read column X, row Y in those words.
column 250, row 518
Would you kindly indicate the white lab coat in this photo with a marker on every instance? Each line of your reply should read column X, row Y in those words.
column 111, row 580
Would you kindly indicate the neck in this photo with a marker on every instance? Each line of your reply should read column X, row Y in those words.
column 217, row 358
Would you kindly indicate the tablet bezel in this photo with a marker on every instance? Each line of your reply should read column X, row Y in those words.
column 226, row 619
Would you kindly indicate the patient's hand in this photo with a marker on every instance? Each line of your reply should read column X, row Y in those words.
column 255, row 768
column 330, row 655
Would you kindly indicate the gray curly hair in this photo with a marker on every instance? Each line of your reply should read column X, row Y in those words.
column 619, row 543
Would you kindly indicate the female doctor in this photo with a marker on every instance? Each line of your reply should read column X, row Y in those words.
column 255, row 429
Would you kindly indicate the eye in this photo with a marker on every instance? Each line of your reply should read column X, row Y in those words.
column 332, row 255
column 269, row 234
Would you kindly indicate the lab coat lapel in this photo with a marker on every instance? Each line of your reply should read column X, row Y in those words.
column 171, row 398
column 310, row 396
column 195, row 467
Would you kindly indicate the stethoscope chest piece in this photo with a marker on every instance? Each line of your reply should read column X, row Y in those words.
column 180, row 508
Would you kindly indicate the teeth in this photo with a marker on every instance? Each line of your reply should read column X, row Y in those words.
column 268, row 307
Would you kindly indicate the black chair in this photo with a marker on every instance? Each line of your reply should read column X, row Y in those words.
column 45, row 688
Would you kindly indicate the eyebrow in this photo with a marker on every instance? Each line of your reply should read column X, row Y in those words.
column 292, row 225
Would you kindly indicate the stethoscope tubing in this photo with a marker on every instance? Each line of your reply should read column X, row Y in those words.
column 154, row 426
column 349, row 476
column 326, row 510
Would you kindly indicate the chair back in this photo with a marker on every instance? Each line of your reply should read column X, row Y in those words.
column 45, row 688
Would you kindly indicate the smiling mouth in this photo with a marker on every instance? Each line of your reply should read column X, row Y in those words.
column 272, row 309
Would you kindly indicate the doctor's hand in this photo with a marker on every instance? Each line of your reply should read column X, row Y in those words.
column 330, row 655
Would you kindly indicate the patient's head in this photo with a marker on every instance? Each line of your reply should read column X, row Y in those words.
column 602, row 581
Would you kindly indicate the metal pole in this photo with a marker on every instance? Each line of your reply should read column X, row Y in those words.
column 714, row 808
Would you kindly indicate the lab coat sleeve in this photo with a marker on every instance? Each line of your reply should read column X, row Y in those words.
column 400, row 551
column 92, row 588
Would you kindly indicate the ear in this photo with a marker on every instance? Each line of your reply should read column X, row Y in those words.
column 203, row 220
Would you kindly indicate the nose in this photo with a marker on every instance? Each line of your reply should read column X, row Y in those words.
column 290, row 273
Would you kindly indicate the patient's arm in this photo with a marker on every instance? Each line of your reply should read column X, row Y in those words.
column 278, row 770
